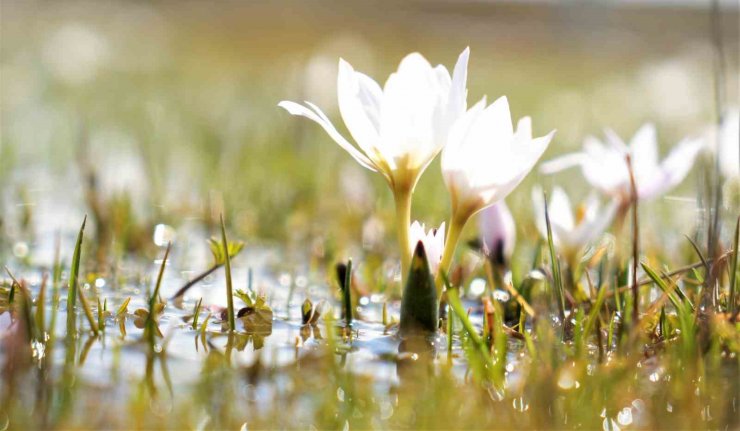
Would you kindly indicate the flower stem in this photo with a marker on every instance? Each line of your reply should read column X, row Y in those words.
column 403, row 222
column 457, row 223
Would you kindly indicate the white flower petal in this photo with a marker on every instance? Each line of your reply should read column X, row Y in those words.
column 672, row 170
column 644, row 152
column 359, row 99
column 319, row 117
column 559, row 209
column 562, row 163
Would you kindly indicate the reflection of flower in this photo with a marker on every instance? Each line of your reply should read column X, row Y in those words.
column 571, row 233
column 433, row 240
column 497, row 232
column 604, row 164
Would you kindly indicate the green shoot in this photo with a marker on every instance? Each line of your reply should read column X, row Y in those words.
column 151, row 323
column 347, row 293
column 196, row 313
column 73, row 284
column 555, row 264
column 229, row 290
column 733, row 270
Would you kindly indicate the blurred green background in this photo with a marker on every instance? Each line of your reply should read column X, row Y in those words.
column 172, row 105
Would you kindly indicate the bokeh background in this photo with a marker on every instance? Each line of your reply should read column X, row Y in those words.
column 143, row 113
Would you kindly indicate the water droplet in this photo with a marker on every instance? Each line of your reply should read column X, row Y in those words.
column 501, row 295
column 340, row 395
column 163, row 234
column 624, row 417
column 100, row 283
column 20, row 249
column 520, row 404
column 566, row 380
column 610, row 424
column 477, row 287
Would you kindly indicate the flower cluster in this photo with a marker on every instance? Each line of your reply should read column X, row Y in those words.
column 421, row 110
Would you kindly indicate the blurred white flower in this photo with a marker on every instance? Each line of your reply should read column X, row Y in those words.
column 485, row 159
column 74, row 53
column 571, row 233
column 400, row 128
column 433, row 240
column 497, row 232
column 604, row 165
column 729, row 142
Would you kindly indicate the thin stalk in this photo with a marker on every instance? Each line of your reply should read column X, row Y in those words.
column 56, row 280
column 457, row 223
column 733, row 273
column 555, row 265
column 41, row 305
column 635, row 244
column 229, row 292
column 403, row 222
column 150, row 321
column 346, row 293
column 195, row 280
column 450, row 326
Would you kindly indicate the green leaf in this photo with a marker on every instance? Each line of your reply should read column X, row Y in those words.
column 74, row 274
column 257, row 318
column 217, row 249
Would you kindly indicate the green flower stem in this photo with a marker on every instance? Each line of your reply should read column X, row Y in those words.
column 457, row 223
column 403, row 222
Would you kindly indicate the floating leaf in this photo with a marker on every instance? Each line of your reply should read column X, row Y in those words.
column 257, row 317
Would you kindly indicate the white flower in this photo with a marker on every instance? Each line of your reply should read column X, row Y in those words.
column 497, row 232
column 604, row 165
column 485, row 159
column 400, row 128
column 433, row 240
column 571, row 233
column 729, row 144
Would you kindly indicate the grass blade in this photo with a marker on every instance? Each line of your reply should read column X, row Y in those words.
column 73, row 285
column 733, row 271
column 557, row 280
column 229, row 290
